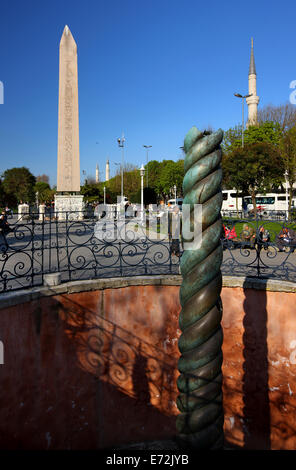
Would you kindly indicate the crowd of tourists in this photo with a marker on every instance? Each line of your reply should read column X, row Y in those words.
column 251, row 238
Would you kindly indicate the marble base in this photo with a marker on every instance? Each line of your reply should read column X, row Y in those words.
column 69, row 207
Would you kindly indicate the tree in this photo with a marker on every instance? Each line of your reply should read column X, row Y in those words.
column 131, row 183
column 171, row 174
column 255, row 168
column 162, row 176
column 288, row 154
column 232, row 137
column 284, row 115
column 90, row 179
column 18, row 184
column 149, row 196
column 269, row 132
column 2, row 195
column 91, row 192
column 42, row 178
column 45, row 194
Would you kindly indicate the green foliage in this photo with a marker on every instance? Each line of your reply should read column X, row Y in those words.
column 255, row 168
column 149, row 195
column 91, row 192
column 41, row 186
column 169, row 173
column 162, row 176
column 18, row 184
column 232, row 138
column 45, row 194
column 3, row 198
column 154, row 170
column 288, row 152
column 269, row 132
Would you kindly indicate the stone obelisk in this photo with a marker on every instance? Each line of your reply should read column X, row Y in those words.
column 68, row 200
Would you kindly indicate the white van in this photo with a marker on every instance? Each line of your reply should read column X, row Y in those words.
column 171, row 203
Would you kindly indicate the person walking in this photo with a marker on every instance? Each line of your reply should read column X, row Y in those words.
column 174, row 231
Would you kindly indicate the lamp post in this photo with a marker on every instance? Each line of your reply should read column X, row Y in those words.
column 120, row 166
column 287, row 198
column 104, row 195
column 175, row 191
column 142, row 173
column 147, row 147
column 238, row 95
column 121, row 144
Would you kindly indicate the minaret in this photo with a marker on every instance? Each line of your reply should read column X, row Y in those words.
column 107, row 171
column 253, row 100
column 97, row 173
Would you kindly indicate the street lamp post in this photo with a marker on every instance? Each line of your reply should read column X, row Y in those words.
column 104, row 195
column 142, row 173
column 120, row 166
column 238, row 95
column 147, row 147
column 121, row 144
column 287, row 198
column 175, row 191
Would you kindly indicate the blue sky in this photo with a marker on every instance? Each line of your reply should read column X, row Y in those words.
column 150, row 69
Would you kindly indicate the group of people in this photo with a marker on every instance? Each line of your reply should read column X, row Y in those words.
column 248, row 237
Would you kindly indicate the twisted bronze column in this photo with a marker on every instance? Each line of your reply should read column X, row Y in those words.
column 200, row 424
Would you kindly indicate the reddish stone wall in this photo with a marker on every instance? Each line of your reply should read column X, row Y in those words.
column 94, row 369
column 259, row 368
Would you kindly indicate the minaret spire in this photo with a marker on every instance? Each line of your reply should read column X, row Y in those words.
column 252, row 68
column 107, row 170
column 253, row 99
column 97, row 173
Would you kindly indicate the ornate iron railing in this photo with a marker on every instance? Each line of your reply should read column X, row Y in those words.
column 257, row 247
column 81, row 247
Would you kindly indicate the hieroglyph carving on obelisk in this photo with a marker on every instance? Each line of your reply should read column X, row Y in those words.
column 68, row 173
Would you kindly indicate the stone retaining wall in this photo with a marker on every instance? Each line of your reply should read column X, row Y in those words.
column 92, row 364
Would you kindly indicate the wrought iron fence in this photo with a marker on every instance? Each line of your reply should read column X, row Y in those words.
column 260, row 246
column 81, row 247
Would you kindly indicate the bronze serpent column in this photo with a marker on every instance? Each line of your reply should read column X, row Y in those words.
column 200, row 423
